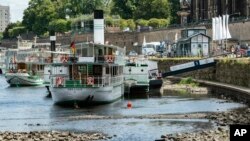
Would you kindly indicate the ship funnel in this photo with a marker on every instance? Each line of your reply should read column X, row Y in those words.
column 98, row 27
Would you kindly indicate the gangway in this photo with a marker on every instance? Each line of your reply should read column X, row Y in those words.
column 190, row 66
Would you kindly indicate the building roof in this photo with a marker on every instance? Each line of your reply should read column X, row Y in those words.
column 188, row 38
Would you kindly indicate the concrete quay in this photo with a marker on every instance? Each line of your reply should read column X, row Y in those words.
column 221, row 119
column 223, row 90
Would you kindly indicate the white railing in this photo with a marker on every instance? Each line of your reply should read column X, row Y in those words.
column 65, row 81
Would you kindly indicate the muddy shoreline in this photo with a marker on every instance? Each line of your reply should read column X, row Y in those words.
column 220, row 133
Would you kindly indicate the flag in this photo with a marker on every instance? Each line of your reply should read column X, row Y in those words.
column 217, row 28
column 73, row 47
column 144, row 42
column 214, row 30
column 220, row 28
column 224, row 31
column 228, row 35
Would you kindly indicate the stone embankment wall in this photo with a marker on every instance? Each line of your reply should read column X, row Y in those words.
column 133, row 40
column 229, row 71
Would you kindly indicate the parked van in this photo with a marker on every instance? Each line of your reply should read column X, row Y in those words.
column 151, row 48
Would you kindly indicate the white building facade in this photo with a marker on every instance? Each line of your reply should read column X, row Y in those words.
column 4, row 17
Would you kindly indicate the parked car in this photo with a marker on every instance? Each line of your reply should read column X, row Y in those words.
column 132, row 53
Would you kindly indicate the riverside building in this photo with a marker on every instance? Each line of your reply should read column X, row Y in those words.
column 201, row 10
column 4, row 17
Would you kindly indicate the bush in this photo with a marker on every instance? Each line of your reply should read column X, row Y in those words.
column 189, row 81
column 164, row 22
column 109, row 21
column 142, row 22
column 59, row 25
column 15, row 31
column 154, row 23
column 131, row 24
column 123, row 24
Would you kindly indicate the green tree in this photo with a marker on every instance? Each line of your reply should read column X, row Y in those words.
column 15, row 31
column 7, row 32
column 175, row 7
column 59, row 25
column 38, row 15
column 148, row 9
column 61, row 7
column 124, row 8
column 79, row 7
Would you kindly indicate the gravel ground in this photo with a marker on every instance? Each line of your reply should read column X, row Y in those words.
column 50, row 136
column 221, row 133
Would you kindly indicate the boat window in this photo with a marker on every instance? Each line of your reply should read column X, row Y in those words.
column 82, row 69
column 21, row 66
column 84, row 52
column 109, row 51
column 105, row 50
column 107, row 70
column 114, row 70
column 97, row 70
column 121, row 70
column 100, row 52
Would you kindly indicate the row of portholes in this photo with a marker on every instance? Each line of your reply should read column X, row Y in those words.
column 131, row 70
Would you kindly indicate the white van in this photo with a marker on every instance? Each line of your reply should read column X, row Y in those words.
column 150, row 48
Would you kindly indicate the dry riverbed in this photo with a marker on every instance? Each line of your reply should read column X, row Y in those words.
column 51, row 136
column 221, row 133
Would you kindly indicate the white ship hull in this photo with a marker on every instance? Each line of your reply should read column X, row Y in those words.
column 22, row 79
column 85, row 96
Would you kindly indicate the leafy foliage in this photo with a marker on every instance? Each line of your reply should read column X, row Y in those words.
column 44, row 15
column 59, row 25
column 189, row 81
column 142, row 22
column 13, row 30
column 131, row 24
column 38, row 15
column 175, row 7
column 123, row 24
column 148, row 9
column 125, row 8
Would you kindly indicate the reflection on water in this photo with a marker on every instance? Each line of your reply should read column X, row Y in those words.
column 26, row 109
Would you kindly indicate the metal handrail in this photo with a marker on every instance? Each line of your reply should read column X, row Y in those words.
column 83, row 82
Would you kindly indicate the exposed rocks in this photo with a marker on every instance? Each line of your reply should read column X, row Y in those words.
column 241, row 116
column 221, row 133
column 52, row 135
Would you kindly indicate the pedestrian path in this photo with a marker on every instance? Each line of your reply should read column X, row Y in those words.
column 218, row 84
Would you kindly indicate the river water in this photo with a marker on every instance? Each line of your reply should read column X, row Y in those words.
column 27, row 109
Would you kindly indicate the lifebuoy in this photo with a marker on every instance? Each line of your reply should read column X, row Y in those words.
column 90, row 81
column 109, row 58
column 64, row 59
column 59, row 81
